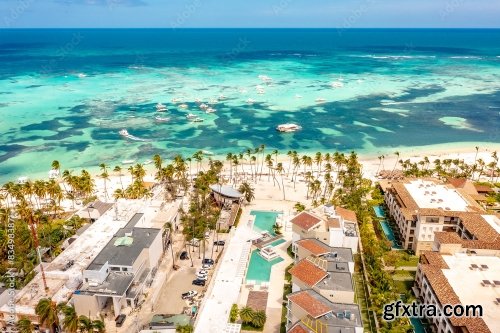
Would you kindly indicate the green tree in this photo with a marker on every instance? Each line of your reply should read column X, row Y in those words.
column 184, row 328
column 247, row 190
column 259, row 319
column 233, row 315
column 24, row 325
column 246, row 314
column 70, row 320
column 47, row 312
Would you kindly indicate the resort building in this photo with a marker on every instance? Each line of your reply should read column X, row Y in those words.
column 325, row 276
column 461, row 279
column 423, row 207
column 337, row 256
column 308, row 311
column 120, row 272
column 336, row 227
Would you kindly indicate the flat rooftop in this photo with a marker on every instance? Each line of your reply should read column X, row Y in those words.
column 429, row 194
column 339, row 281
column 466, row 283
column 493, row 221
column 125, row 255
column 116, row 284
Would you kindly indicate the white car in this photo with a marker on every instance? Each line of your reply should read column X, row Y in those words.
column 189, row 294
column 206, row 266
column 202, row 272
column 202, row 276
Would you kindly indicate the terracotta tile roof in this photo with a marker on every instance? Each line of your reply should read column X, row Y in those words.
column 305, row 220
column 457, row 182
column 405, row 196
column 314, row 307
column 346, row 214
column 434, row 259
column 446, row 295
column 333, row 223
column 314, row 246
column 307, row 272
column 298, row 328
column 483, row 188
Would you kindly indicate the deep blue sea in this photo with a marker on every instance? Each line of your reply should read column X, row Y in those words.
column 65, row 94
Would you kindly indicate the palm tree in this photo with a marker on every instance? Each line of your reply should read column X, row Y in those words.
column 84, row 324
column 119, row 170
column 247, row 190
column 259, row 318
column 395, row 164
column 56, row 166
column 47, row 311
column 70, row 320
column 24, row 325
column 104, row 176
column 262, row 149
column 281, row 171
column 246, row 314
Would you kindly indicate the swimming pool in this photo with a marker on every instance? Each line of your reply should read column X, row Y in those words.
column 277, row 242
column 389, row 233
column 259, row 269
column 379, row 211
column 264, row 220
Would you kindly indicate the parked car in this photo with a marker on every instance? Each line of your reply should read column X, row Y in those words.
column 199, row 282
column 202, row 272
column 208, row 261
column 184, row 255
column 120, row 319
column 189, row 294
column 207, row 266
column 220, row 243
column 202, row 276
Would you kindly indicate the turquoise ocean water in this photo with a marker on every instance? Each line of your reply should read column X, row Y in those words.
column 65, row 94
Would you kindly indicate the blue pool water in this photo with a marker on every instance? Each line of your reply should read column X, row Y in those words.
column 264, row 220
column 417, row 325
column 259, row 269
column 278, row 242
column 379, row 211
column 389, row 233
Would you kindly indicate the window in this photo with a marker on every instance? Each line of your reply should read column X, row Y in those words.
column 432, row 219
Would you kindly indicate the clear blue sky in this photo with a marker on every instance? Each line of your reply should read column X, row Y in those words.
column 249, row 13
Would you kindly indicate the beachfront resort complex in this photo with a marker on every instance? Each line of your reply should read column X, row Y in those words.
column 229, row 249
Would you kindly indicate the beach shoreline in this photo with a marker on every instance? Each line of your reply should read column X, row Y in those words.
column 370, row 160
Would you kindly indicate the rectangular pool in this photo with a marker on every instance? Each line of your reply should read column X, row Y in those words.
column 389, row 233
column 379, row 211
column 259, row 269
column 264, row 220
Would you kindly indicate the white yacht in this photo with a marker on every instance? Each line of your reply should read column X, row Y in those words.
column 183, row 106
column 196, row 120
column 162, row 119
column 128, row 161
column 210, row 110
column 124, row 132
column 250, row 101
column 203, row 106
column 320, row 100
column 191, row 116
column 160, row 107
column 288, row 128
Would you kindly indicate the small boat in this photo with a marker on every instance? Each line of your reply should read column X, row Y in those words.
column 183, row 106
column 287, row 128
column 320, row 100
column 176, row 100
column 203, row 106
column 197, row 120
column 337, row 84
column 210, row 110
column 298, row 96
column 160, row 107
column 207, row 152
column 191, row 116
column 162, row 119
column 250, row 101
column 222, row 97
column 128, row 161
column 124, row 132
